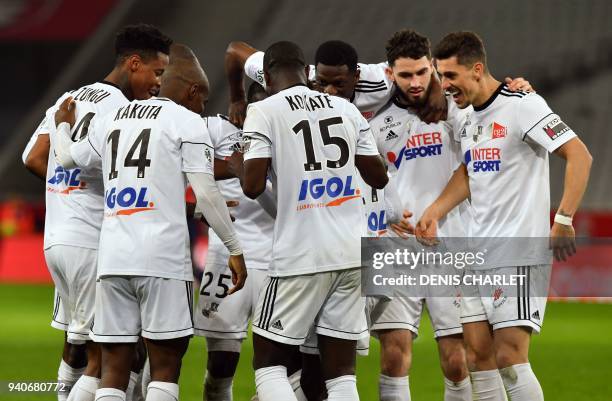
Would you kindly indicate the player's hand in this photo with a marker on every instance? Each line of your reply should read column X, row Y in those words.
column 562, row 241
column 403, row 228
column 239, row 272
column 66, row 112
column 237, row 112
column 427, row 229
column 436, row 107
column 518, row 84
column 235, row 164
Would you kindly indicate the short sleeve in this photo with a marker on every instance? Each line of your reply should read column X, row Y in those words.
column 87, row 151
column 256, row 135
column 538, row 122
column 253, row 68
column 229, row 139
column 366, row 146
column 42, row 129
column 197, row 152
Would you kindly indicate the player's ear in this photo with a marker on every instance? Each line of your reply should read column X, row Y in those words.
column 133, row 62
column 478, row 70
column 193, row 91
column 389, row 74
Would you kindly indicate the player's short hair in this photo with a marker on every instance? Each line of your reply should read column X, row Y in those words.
column 142, row 39
column 337, row 53
column 407, row 43
column 466, row 46
column 283, row 55
column 254, row 91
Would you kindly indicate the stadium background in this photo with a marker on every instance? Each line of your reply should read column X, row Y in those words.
column 563, row 47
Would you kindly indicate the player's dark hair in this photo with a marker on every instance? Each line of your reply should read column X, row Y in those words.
column 283, row 55
column 407, row 43
column 337, row 53
column 255, row 92
column 142, row 39
column 466, row 46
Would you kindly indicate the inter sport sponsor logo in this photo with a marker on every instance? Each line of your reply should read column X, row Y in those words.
column 483, row 159
column 418, row 145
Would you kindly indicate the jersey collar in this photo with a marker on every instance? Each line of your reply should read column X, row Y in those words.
column 490, row 100
column 109, row 83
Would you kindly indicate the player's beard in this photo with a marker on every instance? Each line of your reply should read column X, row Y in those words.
column 414, row 103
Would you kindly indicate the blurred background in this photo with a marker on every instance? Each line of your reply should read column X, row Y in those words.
column 563, row 47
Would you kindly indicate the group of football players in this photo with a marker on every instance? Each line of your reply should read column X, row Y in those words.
column 312, row 158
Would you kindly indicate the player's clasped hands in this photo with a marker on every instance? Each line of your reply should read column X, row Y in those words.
column 562, row 241
column 427, row 229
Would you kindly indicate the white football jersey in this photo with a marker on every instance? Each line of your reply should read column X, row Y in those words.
column 312, row 139
column 254, row 226
column 74, row 198
column 505, row 144
column 421, row 158
column 144, row 148
column 372, row 92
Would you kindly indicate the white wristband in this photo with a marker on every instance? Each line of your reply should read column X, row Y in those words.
column 565, row 220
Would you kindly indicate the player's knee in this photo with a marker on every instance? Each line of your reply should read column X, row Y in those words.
column 454, row 366
column 75, row 355
column 395, row 359
column 222, row 364
column 480, row 357
column 508, row 355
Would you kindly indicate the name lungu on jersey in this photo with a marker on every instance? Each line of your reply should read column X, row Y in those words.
column 74, row 197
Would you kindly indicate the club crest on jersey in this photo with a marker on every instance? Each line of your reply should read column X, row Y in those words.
column 320, row 192
column 483, row 159
column 65, row 181
column 418, row 145
column 377, row 222
column 126, row 201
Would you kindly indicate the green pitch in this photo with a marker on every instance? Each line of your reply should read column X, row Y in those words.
column 571, row 358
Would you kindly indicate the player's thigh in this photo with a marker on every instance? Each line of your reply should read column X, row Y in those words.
column 444, row 313
column 165, row 307
column 397, row 313
column 521, row 304
column 287, row 306
column 82, row 279
column 60, row 318
column 342, row 313
column 480, row 351
column 117, row 311
column 58, row 270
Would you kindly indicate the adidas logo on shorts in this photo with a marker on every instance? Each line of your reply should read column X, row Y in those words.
column 391, row 135
column 277, row 325
column 536, row 315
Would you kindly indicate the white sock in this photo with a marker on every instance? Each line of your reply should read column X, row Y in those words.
column 129, row 392
column 162, row 391
column 137, row 393
column 294, row 381
column 84, row 389
column 217, row 389
column 393, row 388
column 343, row 388
column 272, row 384
column 68, row 376
column 146, row 378
column 458, row 391
column 110, row 394
column 521, row 383
column 487, row 385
